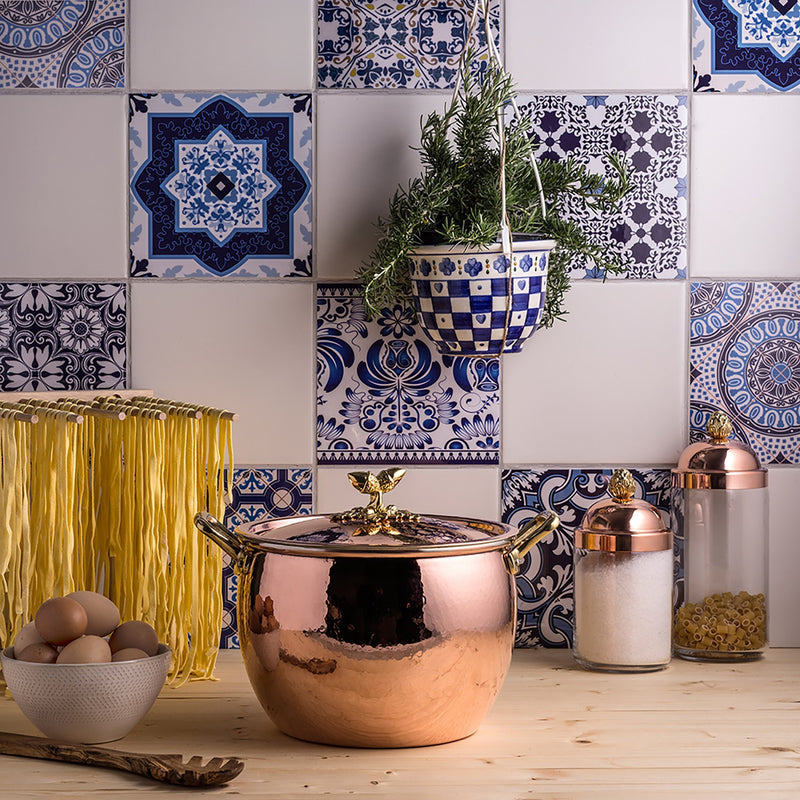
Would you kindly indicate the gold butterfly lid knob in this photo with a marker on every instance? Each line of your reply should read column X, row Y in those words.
column 720, row 462
column 623, row 523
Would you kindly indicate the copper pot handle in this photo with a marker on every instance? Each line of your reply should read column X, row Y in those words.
column 226, row 539
column 530, row 534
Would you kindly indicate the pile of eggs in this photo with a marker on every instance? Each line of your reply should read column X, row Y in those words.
column 83, row 628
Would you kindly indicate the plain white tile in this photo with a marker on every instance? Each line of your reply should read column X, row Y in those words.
column 585, row 45
column 784, row 557
column 222, row 44
column 63, row 179
column 608, row 386
column 364, row 151
column 743, row 187
column 240, row 346
column 466, row 492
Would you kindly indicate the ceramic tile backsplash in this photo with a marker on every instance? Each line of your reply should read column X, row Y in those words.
column 745, row 360
column 76, row 44
column 745, row 46
column 220, row 185
column 188, row 191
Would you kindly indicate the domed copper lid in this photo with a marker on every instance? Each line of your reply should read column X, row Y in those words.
column 721, row 463
column 622, row 523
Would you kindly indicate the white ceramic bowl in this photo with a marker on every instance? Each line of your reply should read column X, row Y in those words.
column 86, row 703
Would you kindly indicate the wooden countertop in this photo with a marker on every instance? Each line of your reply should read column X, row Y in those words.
column 556, row 731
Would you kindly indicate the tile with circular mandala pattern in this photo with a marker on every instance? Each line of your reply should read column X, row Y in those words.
column 545, row 598
column 72, row 44
column 648, row 234
column 745, row 361
column 391, row 45
column 62, row 336
column 259, row 492
column 385, row 395
column 746, row 45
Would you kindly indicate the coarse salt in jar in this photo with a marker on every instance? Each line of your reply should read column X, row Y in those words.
column 623, row 565
column 720, row 515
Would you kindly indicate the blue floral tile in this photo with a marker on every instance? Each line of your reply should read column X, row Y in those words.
column 746, row 45
column 62, row 336
column 385, row 396
column 545, row 600
column 745, row 361
column 391, row 45
column 651, row 131
column 259, row 492
column 220, row 185
column 72, row 44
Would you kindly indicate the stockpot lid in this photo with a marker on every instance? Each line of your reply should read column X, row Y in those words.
column 622, row 523
column 375, row 529
column 720, row 462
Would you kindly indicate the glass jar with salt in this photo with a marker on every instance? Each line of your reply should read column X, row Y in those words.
column 623, row 583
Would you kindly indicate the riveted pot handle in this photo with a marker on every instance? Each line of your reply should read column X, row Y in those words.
column 530, row 534
column 209, row 525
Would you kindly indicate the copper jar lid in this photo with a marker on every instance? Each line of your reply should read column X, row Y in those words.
column 720, row 463
column 622, row 523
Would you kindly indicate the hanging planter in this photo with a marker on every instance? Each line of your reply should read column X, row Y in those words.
column 446, row 248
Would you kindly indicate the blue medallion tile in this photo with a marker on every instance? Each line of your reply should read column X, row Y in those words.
column 745, row 361
column 391, row 45
column 746, row 45
column 648, row 235
column 268, row 492
column 385, row 396
column 72, row 44
column 62, row 336
column 220, row 185
column 545, row 601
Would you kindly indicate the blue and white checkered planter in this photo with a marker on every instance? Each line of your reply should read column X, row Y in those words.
column 478, row 301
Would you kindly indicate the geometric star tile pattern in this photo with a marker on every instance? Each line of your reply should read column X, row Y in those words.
column 62, row 336
column 648, row 234
column 259, row 492
column 391, row 45
column 745, row 361
column 386, row 396
column 220, row 185
column 78, row 44
column 744, row 46
column 545, row 599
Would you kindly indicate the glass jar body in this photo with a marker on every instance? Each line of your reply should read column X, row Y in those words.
column 623, row 610
column 723, row 534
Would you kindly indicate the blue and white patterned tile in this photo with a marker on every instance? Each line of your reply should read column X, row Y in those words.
column 745, row 361
column 746, row 45
column 545, row 599
column 71, row 44
column 259, row 492
column 220, row 185
column 648, row 235
column 62, row 336
column 385, row 395
column 391, row 45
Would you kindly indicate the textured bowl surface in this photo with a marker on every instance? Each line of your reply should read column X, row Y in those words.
column 86, row 703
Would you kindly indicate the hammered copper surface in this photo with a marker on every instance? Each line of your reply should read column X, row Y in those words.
column 375, row 652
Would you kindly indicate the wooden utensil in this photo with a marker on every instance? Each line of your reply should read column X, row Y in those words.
column 167, row 768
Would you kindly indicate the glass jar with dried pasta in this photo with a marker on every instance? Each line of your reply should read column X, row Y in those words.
column 720, row 515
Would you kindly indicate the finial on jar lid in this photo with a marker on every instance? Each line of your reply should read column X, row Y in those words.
column 719, row 427
column 622, row 487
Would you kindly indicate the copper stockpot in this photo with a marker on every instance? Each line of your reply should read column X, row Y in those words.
column 376, row 627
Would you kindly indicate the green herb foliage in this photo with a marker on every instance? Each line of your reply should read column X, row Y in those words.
column 457, row 197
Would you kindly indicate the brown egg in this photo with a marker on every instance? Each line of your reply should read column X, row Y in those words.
column 86, row 650
column 129, row 654
column 60, row 620
column 38, row 652
column 134, row 634
column 27, row 635
column 102, row 613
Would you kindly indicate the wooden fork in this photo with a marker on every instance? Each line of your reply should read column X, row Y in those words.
column 166, row 768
